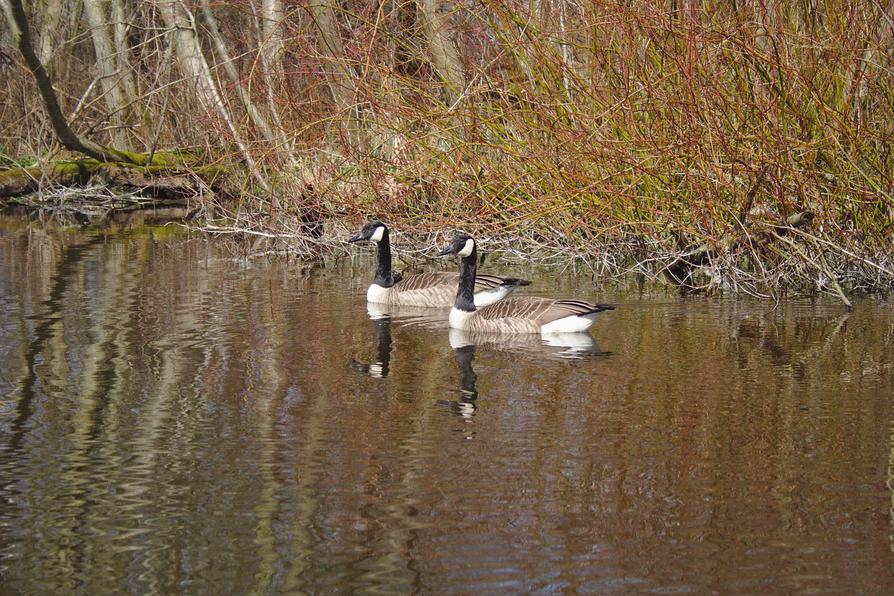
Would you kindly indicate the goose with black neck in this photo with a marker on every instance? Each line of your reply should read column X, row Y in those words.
column 435, row 289
column 522, row 314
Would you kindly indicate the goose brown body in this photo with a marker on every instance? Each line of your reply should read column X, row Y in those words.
column 524, row 314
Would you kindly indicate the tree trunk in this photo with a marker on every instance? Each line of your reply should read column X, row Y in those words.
column 195, row 70
column 274, row 135
column 548, row 14
column 270, row 50
column 52, row 13
column 108, row 73
column 122, row 50
column 272, row 17
column 229, row 67
column 21, row 34
column 341, row 83
column 444, row 55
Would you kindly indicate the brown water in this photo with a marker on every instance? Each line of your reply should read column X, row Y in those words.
column 176, row 420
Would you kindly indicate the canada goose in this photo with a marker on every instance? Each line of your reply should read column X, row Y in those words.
column 431, row 289
column 524, row 314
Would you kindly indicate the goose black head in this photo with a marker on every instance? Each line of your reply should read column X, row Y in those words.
column 374, row 230
column 462, row 245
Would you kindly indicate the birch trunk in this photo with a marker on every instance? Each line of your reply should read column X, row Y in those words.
column 122, row 51
column 195, row 71
column 340, row 80
column 549, row 13
column 107, row 70
column 272, row 17
column 270, row 49
column 52, row 14
column 275, row 136
column 229, row 67
column 444, row 55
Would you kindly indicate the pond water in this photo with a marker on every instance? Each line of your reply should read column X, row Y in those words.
column 174, row 418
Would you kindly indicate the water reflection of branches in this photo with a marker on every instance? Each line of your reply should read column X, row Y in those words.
column 795, row 340
column 46, row 323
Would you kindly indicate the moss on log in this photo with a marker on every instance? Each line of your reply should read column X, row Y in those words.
column 166, row 175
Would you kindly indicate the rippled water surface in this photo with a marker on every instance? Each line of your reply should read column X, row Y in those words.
column 175, row 419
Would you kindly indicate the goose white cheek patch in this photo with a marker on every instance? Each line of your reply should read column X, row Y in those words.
column 467, row 249
column 377, row 235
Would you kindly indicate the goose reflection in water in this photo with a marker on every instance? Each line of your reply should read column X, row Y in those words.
column 464, row 343
column 379, row 368
column 570, row 345
column 382, row 316
column 466, row 405
column 430, row 318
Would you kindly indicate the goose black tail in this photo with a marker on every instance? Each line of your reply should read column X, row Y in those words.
column 602, row 307
column 514, row 282
column 586, row 308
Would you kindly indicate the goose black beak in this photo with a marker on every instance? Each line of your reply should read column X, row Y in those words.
column 447, row 250
column 356, row 237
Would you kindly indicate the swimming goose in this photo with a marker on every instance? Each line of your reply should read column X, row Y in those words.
column 431, row 289
column 524, row 314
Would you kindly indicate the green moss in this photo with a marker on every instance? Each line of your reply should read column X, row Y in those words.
column 161, row 158
column 7, row 161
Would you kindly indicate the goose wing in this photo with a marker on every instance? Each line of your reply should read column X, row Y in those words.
column 539, row 310
column 425, row 281
column 565, row 308
column 522, row 307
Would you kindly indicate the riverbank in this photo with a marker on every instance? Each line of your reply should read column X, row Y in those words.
column 740, row 149
column 769, row 258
